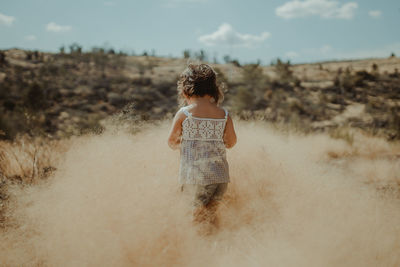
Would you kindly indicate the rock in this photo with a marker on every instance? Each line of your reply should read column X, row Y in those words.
column 116, row 99
column 66, row 92
column 54, row 110
column 2, row 77
column 76, row 119
column 130, row 92
column 99, row 94
column 103, row 107
column 156, row 110
column 83, row 91
column 77, row 104
column 63, row 115
column 86, row 107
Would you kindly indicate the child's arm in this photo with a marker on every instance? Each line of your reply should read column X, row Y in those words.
column 174, row 138
column 229, row 135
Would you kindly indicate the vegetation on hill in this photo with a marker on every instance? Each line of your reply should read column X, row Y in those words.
column 68, row 93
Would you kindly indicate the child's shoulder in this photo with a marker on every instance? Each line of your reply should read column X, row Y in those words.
column 221, row 110
column 183, row 110
column 181, row 113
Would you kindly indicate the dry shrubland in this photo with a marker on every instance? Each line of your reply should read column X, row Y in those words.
column 113, row 200
column 86, row 177
column 63, row 94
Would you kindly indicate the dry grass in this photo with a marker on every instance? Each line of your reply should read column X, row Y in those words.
column 27, row 160
column 293, row 201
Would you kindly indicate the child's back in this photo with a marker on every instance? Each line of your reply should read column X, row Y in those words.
column 203, row 131
column 203, row 156
column 206, row 109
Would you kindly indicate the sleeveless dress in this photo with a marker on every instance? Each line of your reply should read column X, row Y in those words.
column 203, row 153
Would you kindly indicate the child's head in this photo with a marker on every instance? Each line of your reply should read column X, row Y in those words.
column 199, row 80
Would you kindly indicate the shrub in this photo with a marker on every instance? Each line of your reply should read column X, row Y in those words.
column 186, row 53
column 243, row 100
column 284, row 72
column 35, row 98
column 3, row 60
column 12, row 123
column 250, row 94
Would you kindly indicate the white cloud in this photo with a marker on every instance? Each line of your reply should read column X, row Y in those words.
column 326, row 9
column 326, row 49
column 291, row 54
column 30, row 37
column 6, row 20
column 54, row 27
column 226, row 35
column 375, row 13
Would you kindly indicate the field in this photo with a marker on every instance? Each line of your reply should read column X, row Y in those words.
column 294, row 200
column 315, row 174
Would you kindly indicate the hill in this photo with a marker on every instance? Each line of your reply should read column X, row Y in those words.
column 64, row 94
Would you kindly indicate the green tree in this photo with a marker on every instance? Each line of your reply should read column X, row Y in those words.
column 227, row 59
column 201, row 55
column 75, row 48
column 186, row 53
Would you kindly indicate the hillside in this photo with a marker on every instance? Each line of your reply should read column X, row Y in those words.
column 64, row 94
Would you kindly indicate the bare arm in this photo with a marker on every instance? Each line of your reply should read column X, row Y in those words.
column 229, row 135
column 174, row 138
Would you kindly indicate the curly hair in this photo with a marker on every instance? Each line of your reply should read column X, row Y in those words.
column 199, row 80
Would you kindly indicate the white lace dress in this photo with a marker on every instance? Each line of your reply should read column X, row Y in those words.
column 203, row 154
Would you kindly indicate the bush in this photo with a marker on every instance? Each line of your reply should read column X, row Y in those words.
column 285, row 74
column 3, row 60
column 243, row 99
column 35, row 98
column 11, row 124
column 250, row 94
column 186, row 53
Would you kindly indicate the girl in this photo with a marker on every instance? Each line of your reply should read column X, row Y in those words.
column 203, row 130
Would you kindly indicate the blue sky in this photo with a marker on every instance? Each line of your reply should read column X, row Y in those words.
column 299, row 30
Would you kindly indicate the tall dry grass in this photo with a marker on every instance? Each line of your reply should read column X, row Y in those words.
column 293, row 201
column 28, row 159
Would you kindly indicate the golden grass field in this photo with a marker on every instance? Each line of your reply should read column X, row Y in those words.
column 113, row 200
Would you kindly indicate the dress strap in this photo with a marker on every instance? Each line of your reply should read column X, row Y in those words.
column 186, row 111
column 226, row 113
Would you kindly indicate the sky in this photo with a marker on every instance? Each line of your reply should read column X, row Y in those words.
column 251, row 30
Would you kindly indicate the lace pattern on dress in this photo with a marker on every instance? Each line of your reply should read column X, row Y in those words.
column 203, row 156
column 207, row 129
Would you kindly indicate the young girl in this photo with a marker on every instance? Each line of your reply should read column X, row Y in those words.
column 203, row 130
